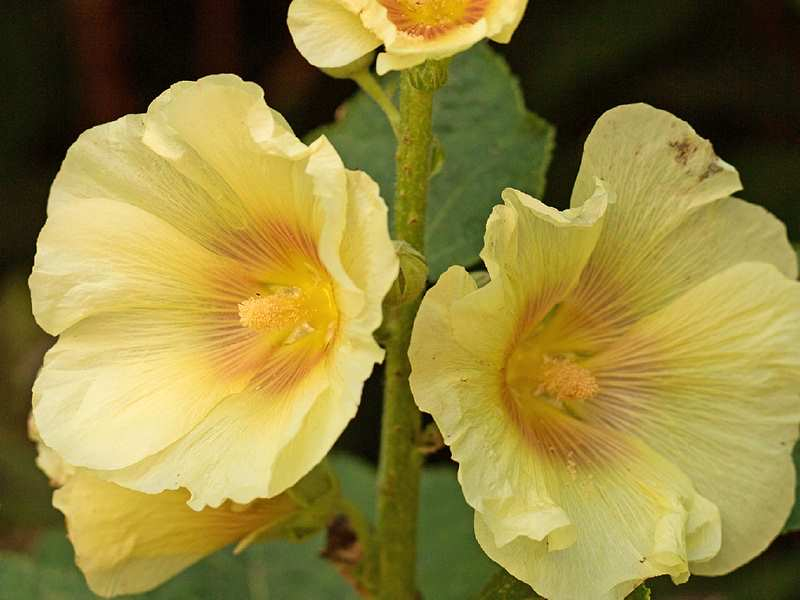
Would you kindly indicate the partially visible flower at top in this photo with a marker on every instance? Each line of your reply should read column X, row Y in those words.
column 622, row 396
column 128, row 542
column 335, row 33
column 215, row 284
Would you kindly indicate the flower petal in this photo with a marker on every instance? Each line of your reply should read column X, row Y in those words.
column 404, row 51
column 231, row 453
column 48, row 460
column 367, row 253
column 463, row 326
column 531, row 244
column 534, row 255
column 567, row 507
column 328, row 33
column 657, row 165
column 632, row 516
column 220, row 135
column 410, row 40
column 213, row 203
column 140, row 332
column 369, row 259
column 127, row 542
column 711, row 382
column 504, row 18
column 150, row 161
column 328, row 416
column 672, row 225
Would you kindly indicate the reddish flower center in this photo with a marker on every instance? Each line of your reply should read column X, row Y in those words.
column 430, row 19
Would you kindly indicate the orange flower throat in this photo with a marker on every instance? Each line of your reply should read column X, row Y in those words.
column 430, row 19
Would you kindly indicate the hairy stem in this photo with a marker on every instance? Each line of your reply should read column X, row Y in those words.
column 400, row 459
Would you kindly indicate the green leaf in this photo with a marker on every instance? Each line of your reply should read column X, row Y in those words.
column 32, row 580
column 451, row 564
column 490, row 141
column 640, row 593
column 506, row 587
column 273, row 570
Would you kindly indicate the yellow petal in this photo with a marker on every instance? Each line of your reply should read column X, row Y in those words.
column 523, row 238
column 632, row 516
column 505, row 19
column 197, row 257
column 230, row 453
column 534, row 255
column 575, row 511
column 292, row 427
column 710, row 381
column 127, row 542
column 672, row 225
column 404, row 51
column 49, row 461
column 328, row 33
column 460, row 384
column 602, row 438
column 367, row 254
column 219, row 134
column 412, row 33
column 192, row 183
column 369, row 259
column 657, row 165
column 533, row 245
column 138, row 365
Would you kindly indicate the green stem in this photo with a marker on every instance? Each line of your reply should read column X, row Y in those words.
column 374, row 90
column 400, row 460
column 399, row 468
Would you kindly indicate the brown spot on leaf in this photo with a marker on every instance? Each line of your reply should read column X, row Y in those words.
column 346, row 554
column 342, row 544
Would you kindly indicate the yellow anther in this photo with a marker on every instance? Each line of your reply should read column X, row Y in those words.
column 566, row 381
column 433, row 11
column 273, row 311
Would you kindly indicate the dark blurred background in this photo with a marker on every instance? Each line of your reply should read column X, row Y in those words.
column 732, row 69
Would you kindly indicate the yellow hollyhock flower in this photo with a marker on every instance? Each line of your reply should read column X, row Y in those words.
column 129, row 542
column 335, row 33
column 215, row 284
column 622, row 395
